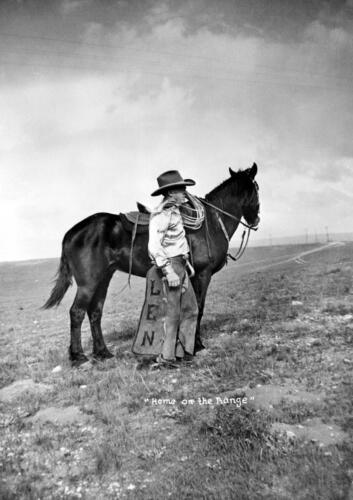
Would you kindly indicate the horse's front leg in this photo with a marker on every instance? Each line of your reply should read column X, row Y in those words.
column 200, row 283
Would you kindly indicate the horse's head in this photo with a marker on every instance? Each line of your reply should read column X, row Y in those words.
column 250, row 201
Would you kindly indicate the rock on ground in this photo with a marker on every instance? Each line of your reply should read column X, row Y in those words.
column 312, row 430
column 21, row 387
column 62, row 416
column 266, row 396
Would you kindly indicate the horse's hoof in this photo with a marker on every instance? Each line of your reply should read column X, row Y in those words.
column 78, row 360
column 105, row 354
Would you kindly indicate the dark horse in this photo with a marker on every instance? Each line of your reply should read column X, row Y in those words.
column 99, row 245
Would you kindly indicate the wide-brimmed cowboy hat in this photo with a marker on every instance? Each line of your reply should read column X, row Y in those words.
column 169, row 180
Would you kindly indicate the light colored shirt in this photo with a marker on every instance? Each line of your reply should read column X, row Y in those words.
column 166, row 234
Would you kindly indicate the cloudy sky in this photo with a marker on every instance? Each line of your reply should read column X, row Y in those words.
column 97, row 98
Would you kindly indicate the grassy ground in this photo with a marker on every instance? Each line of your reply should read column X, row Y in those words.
column 286, row 323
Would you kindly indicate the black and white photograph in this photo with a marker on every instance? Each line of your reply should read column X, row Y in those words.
column 176, row 255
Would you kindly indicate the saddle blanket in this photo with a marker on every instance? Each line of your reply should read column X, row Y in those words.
column 149, row 336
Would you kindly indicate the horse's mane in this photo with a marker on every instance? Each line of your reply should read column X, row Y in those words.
column 227, row 186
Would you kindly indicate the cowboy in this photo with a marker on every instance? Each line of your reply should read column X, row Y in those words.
column 168, row 249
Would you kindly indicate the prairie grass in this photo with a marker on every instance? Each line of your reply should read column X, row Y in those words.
column 126, row 446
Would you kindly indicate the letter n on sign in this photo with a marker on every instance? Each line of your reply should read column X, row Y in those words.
column 148, row 338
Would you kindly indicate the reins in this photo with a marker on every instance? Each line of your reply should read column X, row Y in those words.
column 243, row 246
column 228, row 214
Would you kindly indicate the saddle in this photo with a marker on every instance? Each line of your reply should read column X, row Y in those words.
column 137, row 222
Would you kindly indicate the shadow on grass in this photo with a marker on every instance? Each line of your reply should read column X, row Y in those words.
column 126, row 332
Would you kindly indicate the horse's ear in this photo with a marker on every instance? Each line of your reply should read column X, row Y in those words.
column 231, row 172
column 253, row 171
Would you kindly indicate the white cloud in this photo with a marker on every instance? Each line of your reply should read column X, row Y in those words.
column 70, row 6
column 78, row 144
column 81, row 159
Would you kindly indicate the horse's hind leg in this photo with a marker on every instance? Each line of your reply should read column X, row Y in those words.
column 77, row 314
column 95, row 310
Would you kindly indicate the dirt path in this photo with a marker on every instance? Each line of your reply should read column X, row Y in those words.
column 298, row 258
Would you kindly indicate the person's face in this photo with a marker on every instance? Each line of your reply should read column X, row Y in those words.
column 177, row 195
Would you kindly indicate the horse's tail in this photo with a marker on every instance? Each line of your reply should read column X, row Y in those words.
column 63, row 281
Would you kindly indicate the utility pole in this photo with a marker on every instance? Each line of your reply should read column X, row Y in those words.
column 327, row 235
column 306, row 236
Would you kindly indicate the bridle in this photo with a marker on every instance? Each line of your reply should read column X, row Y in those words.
column 253, row 228
column 249, row 228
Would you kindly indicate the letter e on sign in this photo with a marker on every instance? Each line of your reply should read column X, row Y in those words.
column 152, row 312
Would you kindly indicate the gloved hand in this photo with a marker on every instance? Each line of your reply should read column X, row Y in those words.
column 173, row 279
